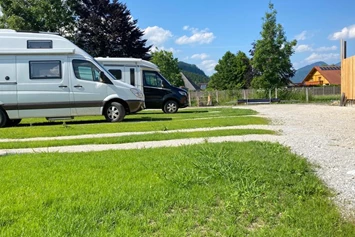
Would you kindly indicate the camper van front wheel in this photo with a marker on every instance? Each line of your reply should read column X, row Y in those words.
column 115, row 112
column 3, row 118
column 170, row 107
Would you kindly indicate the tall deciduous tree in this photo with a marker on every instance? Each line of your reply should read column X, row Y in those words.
column 37, row 15
column 106, row 28
column 168, row 66
column 232, row 72
column 271, row 54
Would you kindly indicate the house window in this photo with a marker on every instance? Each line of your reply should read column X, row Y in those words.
column 39, row 44
column 45, row 69
column 117, row 73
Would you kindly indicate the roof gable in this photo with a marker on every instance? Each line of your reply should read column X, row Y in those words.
column 331, row 73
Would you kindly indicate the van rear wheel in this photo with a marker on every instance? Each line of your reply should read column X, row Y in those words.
column 3, row 118
column 170, row 107
column 114, row 112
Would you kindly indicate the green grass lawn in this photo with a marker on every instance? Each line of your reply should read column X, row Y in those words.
column 144, row 121
column 132, row 138
column 228, row 189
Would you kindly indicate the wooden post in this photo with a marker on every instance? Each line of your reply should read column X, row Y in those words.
column 217, row 99
column 189, row 98
column 197, row 99
column 270, row 95
column 276, row 93
column 307, row 94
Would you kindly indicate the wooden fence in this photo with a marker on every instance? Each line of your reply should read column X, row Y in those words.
column 348, row 78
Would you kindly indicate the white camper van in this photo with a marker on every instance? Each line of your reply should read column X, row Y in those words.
column 158, row 92
column 45, row 75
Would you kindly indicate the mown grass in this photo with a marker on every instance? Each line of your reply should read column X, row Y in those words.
column 228, row 189
column 132, row 138
column 146, row 121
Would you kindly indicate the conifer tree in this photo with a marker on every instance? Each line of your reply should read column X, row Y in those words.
column 271, row 55
column 106, row 28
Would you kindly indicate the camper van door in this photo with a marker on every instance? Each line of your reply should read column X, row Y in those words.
column 89, row 92
column 43, row 86
column 8, row 85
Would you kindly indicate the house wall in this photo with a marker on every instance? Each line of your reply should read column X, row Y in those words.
column 316, row 79
column 348, row 77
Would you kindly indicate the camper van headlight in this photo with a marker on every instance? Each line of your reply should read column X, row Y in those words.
column 137, row 92
column 183, row 93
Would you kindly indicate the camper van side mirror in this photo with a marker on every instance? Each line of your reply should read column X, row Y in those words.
column 104, row 79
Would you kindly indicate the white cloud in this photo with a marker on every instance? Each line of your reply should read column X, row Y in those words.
column 301, row 36
column 198, row 36
column 201, row 56
column 208, row 66
column 306, row 48
column 314, row 57
column 323, row 49
column 345, row 33
column 157, row 35
column 155, row 49
column 303, row 48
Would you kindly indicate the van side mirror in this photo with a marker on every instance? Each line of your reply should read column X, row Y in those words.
column 104, row 79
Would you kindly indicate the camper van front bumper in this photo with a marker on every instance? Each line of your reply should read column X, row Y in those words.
column 135, row 105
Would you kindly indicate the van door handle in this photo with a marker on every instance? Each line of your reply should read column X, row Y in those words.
column 78, row 86
column 63, row 86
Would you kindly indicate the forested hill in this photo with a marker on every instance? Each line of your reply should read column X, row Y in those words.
column 193, row 73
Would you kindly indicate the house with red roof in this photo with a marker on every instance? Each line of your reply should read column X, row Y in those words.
column 323, row 75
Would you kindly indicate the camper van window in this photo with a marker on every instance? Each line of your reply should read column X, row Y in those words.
column 85, row 70
column 39, row 44
column 117, row 73
column 132, row 76
column 45, row 69
column 152, row 79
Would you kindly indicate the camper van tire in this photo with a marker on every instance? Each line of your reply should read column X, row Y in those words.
column 114, row 112
column 3, row 118
column 170, row 106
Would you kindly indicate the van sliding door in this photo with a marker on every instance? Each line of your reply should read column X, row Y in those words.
column 8, row 86
column 43, row 86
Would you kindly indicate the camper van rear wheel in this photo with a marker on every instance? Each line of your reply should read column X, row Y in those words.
column 3, row 118
column 170, row 106
column 114, row 112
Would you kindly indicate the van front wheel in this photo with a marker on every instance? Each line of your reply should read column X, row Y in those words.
column 114, row 112
column 3, row 118
column 170, row 107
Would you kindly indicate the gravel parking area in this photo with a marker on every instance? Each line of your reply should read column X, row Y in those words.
column 325, row 135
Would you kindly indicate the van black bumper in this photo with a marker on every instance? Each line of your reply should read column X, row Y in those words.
column 184, row 102
column 135, row 105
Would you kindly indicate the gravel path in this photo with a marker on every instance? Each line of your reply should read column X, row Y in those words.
column 325, row 135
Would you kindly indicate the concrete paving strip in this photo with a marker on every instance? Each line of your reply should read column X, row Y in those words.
column 267, row 127
column 144, row 145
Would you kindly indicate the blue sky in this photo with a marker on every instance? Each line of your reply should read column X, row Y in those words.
column 201, row 31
